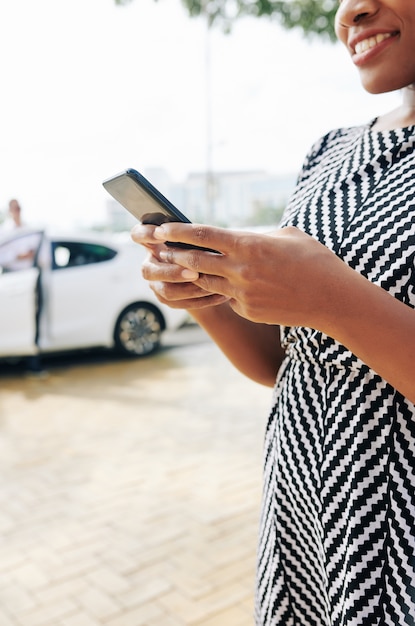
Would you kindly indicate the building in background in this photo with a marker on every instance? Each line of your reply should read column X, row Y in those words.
column 231, row 199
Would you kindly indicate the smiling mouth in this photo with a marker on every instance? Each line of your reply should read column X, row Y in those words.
column 371, row 42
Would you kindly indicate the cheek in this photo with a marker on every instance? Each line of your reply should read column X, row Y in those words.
column 338, row 28
column 341, row 32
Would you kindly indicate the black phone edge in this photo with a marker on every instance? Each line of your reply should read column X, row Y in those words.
column 156, row 194
column 161, row 199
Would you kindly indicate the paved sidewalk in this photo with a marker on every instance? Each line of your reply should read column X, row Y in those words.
column 129, row 492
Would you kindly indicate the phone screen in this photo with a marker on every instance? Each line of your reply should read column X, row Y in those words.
column 136, row 194
column 142, row 199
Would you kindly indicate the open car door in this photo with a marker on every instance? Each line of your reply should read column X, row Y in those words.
column 18, row 294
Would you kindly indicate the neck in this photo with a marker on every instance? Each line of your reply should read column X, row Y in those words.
column 401, row 117
column 408, row 101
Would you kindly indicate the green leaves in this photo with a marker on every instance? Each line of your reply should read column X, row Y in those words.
column 312, row 17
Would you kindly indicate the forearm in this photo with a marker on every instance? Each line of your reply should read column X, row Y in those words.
column 377, row 328
column 254, row 349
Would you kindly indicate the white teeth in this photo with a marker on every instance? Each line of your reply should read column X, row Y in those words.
column 371, row 42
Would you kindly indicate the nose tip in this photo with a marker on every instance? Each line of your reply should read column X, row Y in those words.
column 353, row 12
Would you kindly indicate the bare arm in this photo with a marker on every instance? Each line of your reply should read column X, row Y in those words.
column 377, row 328
column 254, row 349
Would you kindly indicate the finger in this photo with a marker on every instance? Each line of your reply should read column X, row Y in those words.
column 153, row 269
column 170, row 271
column 171, row 292
column 197, row 235
column 143, row 234
column 185, row 296
column 197, row 303
column 215, row 284
column 210, row 300
column 196, row 260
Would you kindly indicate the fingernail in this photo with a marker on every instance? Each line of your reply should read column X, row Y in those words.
column 190, row 274
column 159, row 233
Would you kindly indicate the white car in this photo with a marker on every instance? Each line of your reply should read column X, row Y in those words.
column 61, row 293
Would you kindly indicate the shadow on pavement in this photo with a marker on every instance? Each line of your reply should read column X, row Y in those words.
column 188, row 335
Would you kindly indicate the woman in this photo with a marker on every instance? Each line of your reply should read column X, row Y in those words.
column 338, row 520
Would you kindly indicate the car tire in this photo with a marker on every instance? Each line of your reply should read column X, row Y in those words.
column 138, row 330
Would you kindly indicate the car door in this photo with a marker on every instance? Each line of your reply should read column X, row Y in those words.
column 18, row 295
column 79, row 293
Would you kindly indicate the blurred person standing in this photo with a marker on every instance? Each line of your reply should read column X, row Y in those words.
column 14, row 218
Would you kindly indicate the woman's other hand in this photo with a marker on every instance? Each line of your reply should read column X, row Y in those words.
column 173, row 284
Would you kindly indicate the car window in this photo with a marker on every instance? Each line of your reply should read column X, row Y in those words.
column 76, row 253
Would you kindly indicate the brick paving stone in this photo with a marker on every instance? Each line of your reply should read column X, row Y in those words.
column 192, row 612
column 80, row 568
column 10, row 559
column 186, row 610
column 145, row 592
column 44, row 556
column 193, row 586
column 166, row 620
column 120, row 561
column 79, row 619
column 14, row 599
column 45, row 615
column 109, row 581
column 241, row 571
column 29, row 576
column 224, row 597
column 5, row 620
column 98, row 604
column 140, row 616
column 6, row 523
column 56, row 591
column 248, row 605
column 230, row 617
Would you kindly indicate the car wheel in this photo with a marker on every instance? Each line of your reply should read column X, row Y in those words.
column 138, row 330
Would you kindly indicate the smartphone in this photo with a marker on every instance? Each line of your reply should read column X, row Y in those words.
column 136, row 194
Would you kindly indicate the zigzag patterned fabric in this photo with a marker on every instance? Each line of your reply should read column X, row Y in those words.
column 337, row 536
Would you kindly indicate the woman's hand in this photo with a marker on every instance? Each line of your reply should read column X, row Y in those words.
column 285, row 277
column 253, row 348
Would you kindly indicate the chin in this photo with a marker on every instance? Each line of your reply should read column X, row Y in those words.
column 374, row 91
column 375, row 85
column 375, row 88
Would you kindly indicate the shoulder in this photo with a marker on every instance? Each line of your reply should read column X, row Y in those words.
column 337, row 138
column 333, row 144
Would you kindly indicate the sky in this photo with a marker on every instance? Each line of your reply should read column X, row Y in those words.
column 89, row 88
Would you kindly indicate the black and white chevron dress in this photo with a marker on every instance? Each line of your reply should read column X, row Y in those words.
column 337, row 540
